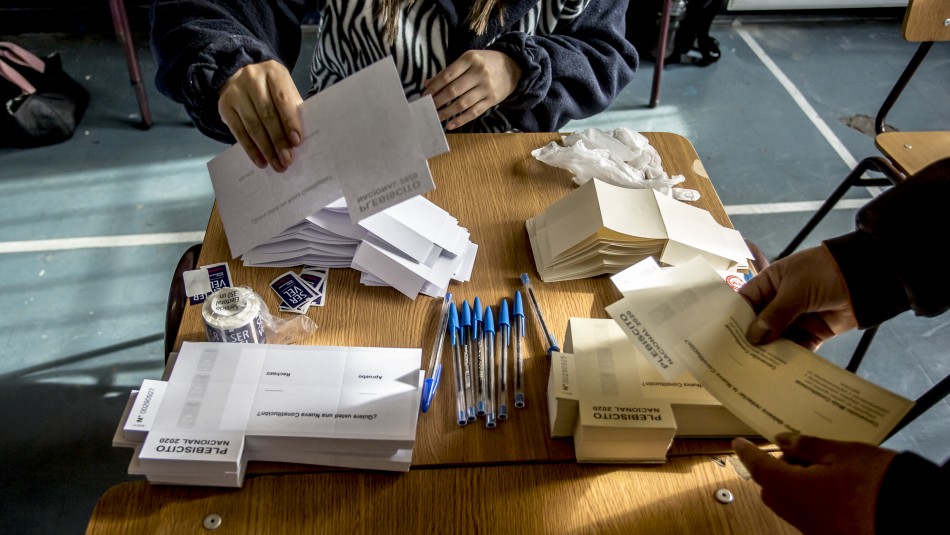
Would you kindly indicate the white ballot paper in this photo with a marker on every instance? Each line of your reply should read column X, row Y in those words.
column 356, row 145
column 695, row 321
column 352, row 399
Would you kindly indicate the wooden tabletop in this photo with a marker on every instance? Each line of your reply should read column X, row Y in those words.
column 676, row 498
column 492, row 184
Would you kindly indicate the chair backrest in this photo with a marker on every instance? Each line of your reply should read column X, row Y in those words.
column 927, row 20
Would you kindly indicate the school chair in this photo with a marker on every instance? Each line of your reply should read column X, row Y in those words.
column 177, row 300
column 901, row 153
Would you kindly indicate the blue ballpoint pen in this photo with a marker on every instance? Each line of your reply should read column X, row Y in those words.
column 479, row 346
column 504, row 339
column 455, row 335
column 434, row 372
column 529, row 292
column 517, row 340
column 489, row 339
column 466, row 341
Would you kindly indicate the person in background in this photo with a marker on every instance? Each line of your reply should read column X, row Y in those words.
column 888, row 265
column 490, row 65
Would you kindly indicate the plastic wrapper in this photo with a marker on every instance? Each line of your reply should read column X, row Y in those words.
column 239, row 315
column 620, row 157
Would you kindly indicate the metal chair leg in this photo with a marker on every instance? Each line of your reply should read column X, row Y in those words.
column 177, row 301
column 931, row 397
column 854, row 178
column 861, row 349
column 122, row 30
column 660, row 54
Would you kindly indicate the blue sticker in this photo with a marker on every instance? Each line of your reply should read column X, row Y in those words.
column 294, row 292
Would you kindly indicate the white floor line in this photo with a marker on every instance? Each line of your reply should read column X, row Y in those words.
column 741, row 209
column 791, row 207
column 800, row 100
column 134, row 240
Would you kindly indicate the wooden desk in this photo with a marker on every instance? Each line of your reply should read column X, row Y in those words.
column 492, row 184
column 511, row 479
column 675, row 498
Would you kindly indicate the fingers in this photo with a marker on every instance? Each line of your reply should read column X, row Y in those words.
column 458, row 97
column 772, row 321
column 259, row 104
column 287, row 101
column 807, row 450
column 235, row 123
column 471, row 85
column 762, row 466
column 776, row 476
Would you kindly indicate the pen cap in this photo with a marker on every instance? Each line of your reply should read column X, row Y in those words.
column 453, row 323
column 466, row 321
column 489, row 321
column 519, row 309
column 503, row 313
column 466, row 313
column 477, row 318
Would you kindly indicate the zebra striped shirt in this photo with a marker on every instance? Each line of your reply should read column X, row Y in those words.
column 350, row 38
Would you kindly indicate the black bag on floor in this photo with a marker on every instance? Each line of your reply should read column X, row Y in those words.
column 39, row 103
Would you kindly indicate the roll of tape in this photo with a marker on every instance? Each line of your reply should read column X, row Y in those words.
column 233, row 315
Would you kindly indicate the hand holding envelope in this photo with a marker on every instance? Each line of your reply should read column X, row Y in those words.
column 355, row 146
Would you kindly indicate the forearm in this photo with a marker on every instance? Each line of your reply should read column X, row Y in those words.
column 574, row 73
column 891, row 262
column 198, row 45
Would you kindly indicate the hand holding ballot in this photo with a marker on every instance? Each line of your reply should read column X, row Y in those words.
column 363, row 141
column 854, row 280
column 801, row 297
column 819, row 486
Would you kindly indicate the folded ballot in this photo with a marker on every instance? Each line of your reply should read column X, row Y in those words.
column 601, row 229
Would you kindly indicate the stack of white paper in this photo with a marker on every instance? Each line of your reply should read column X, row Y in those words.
column 227, row 404
column 415, row 246
column 601, row 229
column 352, row 197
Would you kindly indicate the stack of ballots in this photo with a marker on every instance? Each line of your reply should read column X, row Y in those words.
column 600, row 228
column 226, row 404
column 352, row 197
column 415, row 246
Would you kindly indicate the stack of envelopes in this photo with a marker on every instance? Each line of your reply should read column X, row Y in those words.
column 602, row 229
column 226, row 404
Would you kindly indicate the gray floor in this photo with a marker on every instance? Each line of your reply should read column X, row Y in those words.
column 82, row 322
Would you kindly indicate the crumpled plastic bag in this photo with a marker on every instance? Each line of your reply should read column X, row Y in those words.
column 620, row 157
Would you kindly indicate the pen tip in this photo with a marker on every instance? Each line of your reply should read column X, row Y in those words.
column 524, row 278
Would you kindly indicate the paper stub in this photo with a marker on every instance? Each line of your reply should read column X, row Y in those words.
column 197, row 282
column 219, row 276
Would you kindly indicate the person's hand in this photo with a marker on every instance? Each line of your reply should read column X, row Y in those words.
column 819, row 486
column 471, row 85
column 803, row 297
column 259, row 103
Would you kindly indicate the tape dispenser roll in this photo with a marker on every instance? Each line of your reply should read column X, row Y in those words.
column 233, row 315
